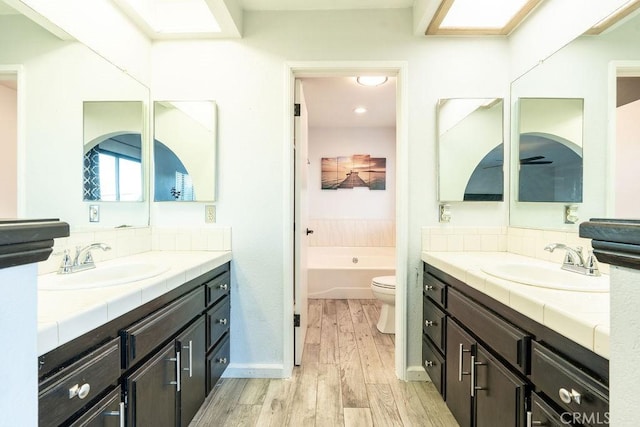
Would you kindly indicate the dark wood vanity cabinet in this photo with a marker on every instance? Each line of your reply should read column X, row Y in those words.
column 496, row 367
column 157, row 367
column 169, row 388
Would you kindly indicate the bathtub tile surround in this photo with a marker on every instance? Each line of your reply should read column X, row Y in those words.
column 352, row 232
column 134, row 240
column 521, row 241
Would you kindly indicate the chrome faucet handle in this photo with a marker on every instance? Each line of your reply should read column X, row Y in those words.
column 593, row 269
column 65, row 264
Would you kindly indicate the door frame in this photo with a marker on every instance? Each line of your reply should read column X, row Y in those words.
column 399, row 69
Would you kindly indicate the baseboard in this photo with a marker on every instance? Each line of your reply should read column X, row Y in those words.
column 417, row 373
column 255, row 370
column 342, row 293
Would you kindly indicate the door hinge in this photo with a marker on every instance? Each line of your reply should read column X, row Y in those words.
column 296, row 320
column 296, row 110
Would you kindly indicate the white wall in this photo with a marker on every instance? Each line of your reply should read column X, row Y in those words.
column 19, row 375
column 9, row 149
column 58, row 77
column 101, row 25
column 580, row 70
column 360, row 203
column 551, row 26
column 625, row 341
column 247, row 80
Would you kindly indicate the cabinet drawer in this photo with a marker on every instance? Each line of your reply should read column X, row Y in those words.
column 507, row 340
column 217, row 362
column 217, row 288
column 433, row 363
column 78, row 384
column 144, row 336
column 542, row 414
column 435, row 289
column 433, row 323
column 217, row 321
column 108, row 412
column 568, row 386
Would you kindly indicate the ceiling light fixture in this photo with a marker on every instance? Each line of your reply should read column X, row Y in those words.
column 372, row 80
column 359, row 110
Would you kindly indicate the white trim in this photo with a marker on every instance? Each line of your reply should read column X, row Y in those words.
column 616, row 69
column 255, row 370
column 349, row 68
column 288, row 214
column 417, row 373
column 21, row 145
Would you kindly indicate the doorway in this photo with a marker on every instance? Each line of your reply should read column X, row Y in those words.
column 9, row 140
column 396, row 71
column 624, row 128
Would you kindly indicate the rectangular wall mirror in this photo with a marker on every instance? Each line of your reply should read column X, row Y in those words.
column 184, row 151
column 550, row 149
column 113, row 151
column 470, row 149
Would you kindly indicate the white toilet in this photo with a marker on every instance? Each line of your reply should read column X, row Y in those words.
column 384, row 289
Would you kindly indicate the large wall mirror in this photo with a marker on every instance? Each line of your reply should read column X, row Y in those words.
column 470, row 149
column 550, row 150
column 184, row 151
column 59, row 77
column 113, row 154
column 585, row 69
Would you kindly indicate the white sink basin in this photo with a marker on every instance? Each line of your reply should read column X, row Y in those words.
column 548, row 277
column 101, row 276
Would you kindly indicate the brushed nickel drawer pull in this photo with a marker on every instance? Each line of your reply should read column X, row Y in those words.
column 222, row 321
column 460, row 372
column 428, row 363
column 80, row 391
column 222, row 360
column 224, row 287
column 429, row 323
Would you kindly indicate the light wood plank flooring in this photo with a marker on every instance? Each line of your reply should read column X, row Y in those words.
column 346, row 379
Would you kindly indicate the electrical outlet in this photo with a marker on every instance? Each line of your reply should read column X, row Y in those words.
column 94, row 213
column 209, row 214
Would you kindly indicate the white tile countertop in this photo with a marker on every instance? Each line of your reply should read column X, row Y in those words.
column 66, row 314
column 582, row 317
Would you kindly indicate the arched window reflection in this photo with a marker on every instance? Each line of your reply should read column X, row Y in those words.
column 171, row 178
column 550, row 169
column 486, row 183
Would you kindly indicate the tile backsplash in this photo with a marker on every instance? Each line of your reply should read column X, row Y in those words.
column 522, row 241
column 352, row 232
column 130, row 241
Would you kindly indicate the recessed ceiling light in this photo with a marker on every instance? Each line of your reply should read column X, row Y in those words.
column 372, row 80
column 359, row 110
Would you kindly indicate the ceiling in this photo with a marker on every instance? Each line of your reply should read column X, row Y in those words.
column 331, row 100
column 324, row 4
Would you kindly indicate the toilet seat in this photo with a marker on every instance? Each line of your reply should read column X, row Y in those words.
column 387, row 282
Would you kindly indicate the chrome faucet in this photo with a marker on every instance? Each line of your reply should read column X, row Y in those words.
column 574, row 261
column 82, row 260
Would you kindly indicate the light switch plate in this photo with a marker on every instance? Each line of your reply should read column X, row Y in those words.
column 94, row 213
column 209, row 214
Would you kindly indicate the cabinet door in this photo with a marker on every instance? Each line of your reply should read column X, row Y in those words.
column 192, row 344
column 499, row 394
column 152, row 391
column 458, row 358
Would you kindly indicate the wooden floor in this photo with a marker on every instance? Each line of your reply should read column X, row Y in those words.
column 346, row 379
